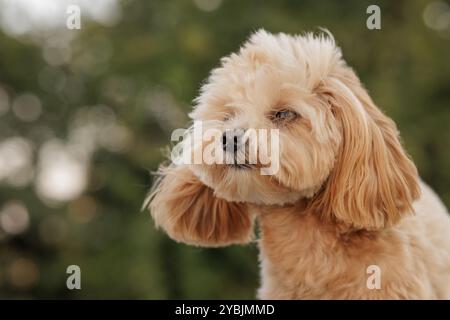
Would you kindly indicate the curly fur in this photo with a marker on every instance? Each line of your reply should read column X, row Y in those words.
column 346, row 196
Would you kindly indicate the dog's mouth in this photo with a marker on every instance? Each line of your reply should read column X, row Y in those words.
column 242, row 166
column 241, row 163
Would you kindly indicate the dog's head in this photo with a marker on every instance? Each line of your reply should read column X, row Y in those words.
column 335, row 147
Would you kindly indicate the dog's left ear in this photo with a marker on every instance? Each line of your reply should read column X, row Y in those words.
column 190, row 212
column 373, row 183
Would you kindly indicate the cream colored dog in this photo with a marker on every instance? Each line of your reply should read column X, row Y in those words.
column 346, row 195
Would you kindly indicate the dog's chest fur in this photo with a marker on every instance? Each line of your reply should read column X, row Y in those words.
column 304, row 258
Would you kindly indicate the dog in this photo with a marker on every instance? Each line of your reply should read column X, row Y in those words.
column 346, row 199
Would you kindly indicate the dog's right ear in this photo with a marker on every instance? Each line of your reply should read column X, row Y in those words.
column 189, row 211
column 374, row 182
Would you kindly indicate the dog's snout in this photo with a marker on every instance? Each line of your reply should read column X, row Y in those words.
column 232, row 139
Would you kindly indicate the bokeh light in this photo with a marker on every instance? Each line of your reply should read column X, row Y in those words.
column 27, row 107
column 16, row 156
column 23, row 273
column 14, row 218
column 208, row 5
column 62, row 175
column 18, row 17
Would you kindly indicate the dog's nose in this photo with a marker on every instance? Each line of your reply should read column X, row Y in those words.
column 232, row 139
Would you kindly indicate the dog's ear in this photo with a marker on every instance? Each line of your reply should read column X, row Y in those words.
column 373, row 183
column 189, row 211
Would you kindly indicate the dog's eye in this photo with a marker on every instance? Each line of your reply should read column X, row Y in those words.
column 284, row 115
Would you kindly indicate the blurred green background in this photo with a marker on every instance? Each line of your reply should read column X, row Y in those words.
column 85, row 113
